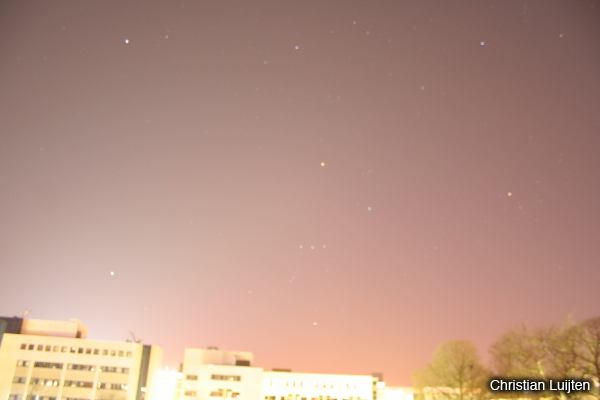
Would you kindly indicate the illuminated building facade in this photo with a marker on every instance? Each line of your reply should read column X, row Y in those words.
column 53, row 360
column 283, row 385
column 211, row 373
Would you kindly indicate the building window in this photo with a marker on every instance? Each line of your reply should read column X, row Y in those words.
column 23, row 363
column 190, row 393
column 122, row 370
column 224, row 393
column 118, row 386
column 19, row 379
column 191, row 377
column 40, row 347
column 81, row 367
column 43, row 382
column 80, row 384
column 230, row 378
column 23, row 346
column 41, row 364
column 30, row 347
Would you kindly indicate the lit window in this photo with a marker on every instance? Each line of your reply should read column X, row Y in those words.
column 233, row 378
column 41, row 364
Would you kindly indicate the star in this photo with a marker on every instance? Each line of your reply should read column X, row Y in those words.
column 369, row 208
column 315, row 323
column 296, row 47
column 126, row 41
column 112, row 273
column 322, row 163
column 509, row 194
column 482, row 43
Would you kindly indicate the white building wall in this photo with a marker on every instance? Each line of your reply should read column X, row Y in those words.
column 69, row 368
column 306, row 386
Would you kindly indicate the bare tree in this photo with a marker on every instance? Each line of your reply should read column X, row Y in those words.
column 454, row 372
column 521, row 352
column 568, row 351
column 589, row 352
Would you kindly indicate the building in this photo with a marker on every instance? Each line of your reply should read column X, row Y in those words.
column 54, row 360
column 211, row 374
column 288, row 385
column 395, row 392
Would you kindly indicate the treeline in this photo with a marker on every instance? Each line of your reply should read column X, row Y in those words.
column 568, row 351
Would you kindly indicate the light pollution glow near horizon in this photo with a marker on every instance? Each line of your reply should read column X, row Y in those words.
column 335, row 186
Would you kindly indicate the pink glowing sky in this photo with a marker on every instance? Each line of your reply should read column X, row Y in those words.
column 179, row 145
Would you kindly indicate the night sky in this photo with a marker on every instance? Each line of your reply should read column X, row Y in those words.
column 336, row 186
